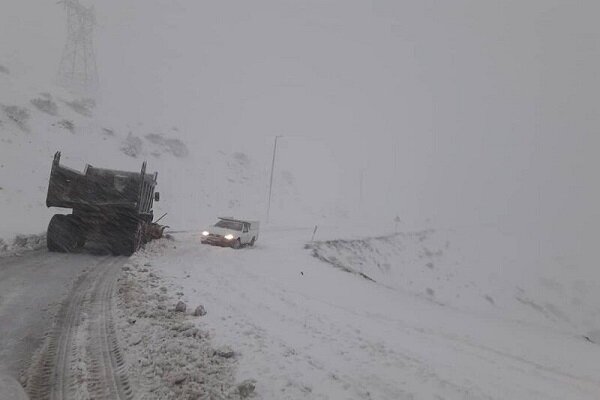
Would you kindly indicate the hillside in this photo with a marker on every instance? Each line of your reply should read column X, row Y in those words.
column 198, row 181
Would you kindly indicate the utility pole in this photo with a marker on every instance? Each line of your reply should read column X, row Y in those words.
column 396, row 173
column 361, row 186
column 397, row 220
column 271, row 180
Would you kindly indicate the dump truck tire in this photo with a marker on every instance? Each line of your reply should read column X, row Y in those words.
column 128, row 241
column 78, row 230
column 62, row 234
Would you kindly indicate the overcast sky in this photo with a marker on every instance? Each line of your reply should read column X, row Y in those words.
column 461, row 111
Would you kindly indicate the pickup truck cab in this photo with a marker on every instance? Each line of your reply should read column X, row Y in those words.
column 231, row 232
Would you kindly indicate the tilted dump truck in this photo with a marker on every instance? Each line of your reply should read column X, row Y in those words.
column 112, row 205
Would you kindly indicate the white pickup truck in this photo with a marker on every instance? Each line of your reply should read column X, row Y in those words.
column 231, row 232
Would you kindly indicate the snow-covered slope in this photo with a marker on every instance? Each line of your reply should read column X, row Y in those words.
column 479, row 270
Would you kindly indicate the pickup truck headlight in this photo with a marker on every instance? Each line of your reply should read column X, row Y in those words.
column 229, row 237
column 205, row 233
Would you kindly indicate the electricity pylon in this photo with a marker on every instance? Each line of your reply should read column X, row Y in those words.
column 78, row 68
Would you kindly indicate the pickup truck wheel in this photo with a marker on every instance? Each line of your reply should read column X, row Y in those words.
column 237, row 244
column 252, row 242
column 62, row 234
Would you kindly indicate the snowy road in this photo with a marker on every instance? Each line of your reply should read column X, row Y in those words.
column 56, row 309
column 298, row 326
column 306, row 330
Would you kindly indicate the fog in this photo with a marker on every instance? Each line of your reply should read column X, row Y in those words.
column 458, row 113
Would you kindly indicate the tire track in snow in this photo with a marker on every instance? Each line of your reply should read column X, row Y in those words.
column 80, row 358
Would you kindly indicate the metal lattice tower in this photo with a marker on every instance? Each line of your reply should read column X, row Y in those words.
column 78, row 68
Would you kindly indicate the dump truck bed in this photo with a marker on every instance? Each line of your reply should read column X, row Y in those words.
column 97, row 187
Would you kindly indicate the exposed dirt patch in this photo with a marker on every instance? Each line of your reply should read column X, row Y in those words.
column 82, row 106
column 19, row 115
column 46, row 105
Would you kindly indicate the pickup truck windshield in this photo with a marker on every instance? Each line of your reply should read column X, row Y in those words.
column 236, row 226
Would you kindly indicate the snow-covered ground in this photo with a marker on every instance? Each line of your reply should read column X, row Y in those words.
column 304, row 328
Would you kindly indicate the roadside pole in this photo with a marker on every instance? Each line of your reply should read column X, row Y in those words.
column 314, row 233
column 271, row 180
column 397, row 220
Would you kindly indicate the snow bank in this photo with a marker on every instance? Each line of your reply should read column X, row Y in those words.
column 22, row 243
column 170, row 354
column 478, row 270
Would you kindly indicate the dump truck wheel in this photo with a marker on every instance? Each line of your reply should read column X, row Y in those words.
column 78, row 231
column 129, row 241
column 52, row 234
column 62, row 234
